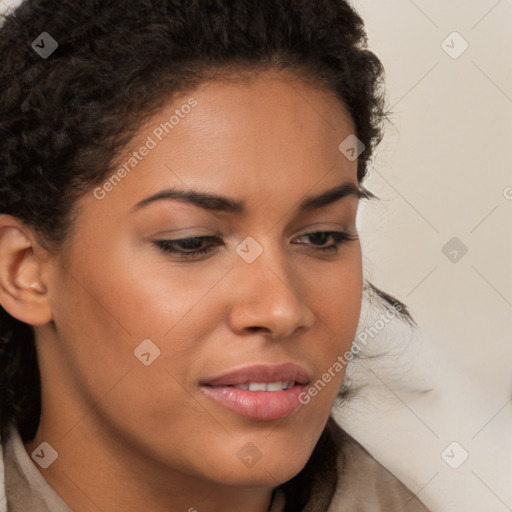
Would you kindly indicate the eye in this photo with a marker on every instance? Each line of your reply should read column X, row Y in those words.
column 189, row 247
column 319, row 240
column 197, row 246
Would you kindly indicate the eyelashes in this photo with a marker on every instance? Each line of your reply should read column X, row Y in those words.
column 195, row 248
column 188, row 247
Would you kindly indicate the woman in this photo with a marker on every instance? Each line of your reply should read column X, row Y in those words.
column 180, row 266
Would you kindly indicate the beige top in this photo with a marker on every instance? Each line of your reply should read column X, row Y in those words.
column 363, row 484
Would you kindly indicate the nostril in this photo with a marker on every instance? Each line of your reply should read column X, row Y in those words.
column 255, row 328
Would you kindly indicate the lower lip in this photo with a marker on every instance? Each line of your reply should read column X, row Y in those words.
column 260, row 405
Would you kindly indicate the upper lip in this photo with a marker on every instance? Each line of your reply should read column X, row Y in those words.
column 262, row 373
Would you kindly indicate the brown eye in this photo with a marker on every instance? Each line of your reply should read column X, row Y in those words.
column 188, row 247
column 320, row 238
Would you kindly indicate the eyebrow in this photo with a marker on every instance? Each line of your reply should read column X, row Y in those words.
column 218, row 203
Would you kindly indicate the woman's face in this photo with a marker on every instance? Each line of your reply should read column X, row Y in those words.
column 146, row 345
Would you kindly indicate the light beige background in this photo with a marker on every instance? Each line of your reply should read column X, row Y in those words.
column 445, row 170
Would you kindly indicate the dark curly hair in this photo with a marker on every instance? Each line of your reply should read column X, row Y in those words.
column 64, row 119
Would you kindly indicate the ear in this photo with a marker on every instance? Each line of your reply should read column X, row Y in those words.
column 23, row 293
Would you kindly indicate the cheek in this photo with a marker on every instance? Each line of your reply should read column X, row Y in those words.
column 339, row 308
column 102, row 315
column 106, row 307
column 334, row 293
column 337, row 295
column 143, row 292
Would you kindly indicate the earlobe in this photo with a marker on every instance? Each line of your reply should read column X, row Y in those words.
column 23, row 294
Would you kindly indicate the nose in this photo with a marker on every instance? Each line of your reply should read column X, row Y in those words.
column 267, row 298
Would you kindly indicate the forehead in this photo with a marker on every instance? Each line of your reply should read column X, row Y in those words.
column 269, row 117
column 238, row 138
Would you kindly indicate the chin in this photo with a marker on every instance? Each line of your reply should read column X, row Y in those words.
column 264, row 473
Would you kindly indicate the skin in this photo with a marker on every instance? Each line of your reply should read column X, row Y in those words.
column 132, row 437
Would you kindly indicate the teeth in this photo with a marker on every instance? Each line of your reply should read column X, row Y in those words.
column 262, row 386
column 274, row 386
column 256, row 386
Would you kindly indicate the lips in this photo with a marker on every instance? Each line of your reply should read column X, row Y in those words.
column 261, row 392
column 266, row 374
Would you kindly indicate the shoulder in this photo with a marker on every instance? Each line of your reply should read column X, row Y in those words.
column 365, row 485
